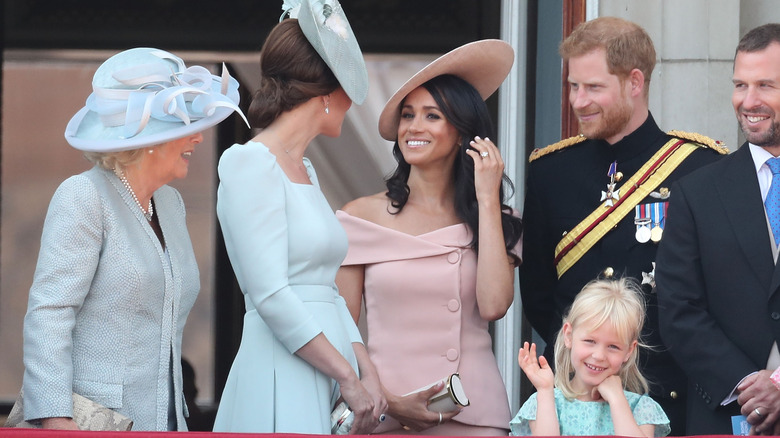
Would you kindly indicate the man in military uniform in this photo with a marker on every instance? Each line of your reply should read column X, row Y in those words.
column 595, row 204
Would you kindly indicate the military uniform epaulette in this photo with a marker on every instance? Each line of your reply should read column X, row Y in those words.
column 716, row 145
column 566, row 142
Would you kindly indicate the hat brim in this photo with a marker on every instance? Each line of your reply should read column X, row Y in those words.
column 145, row 97
column 484, row 64
column 86, row 132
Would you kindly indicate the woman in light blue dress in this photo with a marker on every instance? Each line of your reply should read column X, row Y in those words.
column 300, row 349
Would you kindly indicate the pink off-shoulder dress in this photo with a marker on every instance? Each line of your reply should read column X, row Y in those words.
column 423, row 321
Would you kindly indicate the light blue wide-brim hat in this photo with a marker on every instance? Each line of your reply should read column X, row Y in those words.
column 328, row 31
column 484, row 64
column 144, row 97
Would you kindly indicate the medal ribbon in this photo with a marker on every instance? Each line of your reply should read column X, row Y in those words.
column 659, row 209
column 642, row 216
column 582, row 237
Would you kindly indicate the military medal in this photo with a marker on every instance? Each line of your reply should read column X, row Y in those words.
column 642, row 221
column 643, row 233
column 649, row 278
column 662, row 193
column 611, row 195
column 657, row 218
column 656, row 233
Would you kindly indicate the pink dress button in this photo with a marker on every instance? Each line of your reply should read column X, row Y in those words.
column 453, row 305
column 452, row 354
column 453, row 257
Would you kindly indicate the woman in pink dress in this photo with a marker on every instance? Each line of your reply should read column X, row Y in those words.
column 435, row 256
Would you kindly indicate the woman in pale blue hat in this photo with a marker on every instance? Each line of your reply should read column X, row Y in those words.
column 300, row 350
column 116, row 274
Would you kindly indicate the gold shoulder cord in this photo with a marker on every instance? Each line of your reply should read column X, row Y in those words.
column 566, row 142
column 716, row 145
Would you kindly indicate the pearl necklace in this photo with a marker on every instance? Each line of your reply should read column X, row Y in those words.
column 149, row 212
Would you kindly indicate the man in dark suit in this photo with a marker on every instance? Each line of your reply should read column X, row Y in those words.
column 610, row 62
column 717, row 274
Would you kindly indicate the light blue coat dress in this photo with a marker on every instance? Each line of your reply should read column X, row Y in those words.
column 285, row 245
column 108, row 305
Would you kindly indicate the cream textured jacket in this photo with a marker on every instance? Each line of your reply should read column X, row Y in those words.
column 108, row 304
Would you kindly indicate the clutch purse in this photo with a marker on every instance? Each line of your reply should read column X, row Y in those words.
column 341, row 419
column 449, row 398
column 87, row 414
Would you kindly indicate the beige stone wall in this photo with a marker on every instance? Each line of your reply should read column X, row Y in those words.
column 690, row 89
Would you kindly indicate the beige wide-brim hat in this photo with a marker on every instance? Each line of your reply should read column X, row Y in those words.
column 484, row 64
column 144, row 97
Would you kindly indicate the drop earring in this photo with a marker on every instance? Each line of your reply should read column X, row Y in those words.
column 327, row 104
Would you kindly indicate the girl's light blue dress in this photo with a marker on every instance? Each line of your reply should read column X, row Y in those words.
column 577, row 417
column 285, row 245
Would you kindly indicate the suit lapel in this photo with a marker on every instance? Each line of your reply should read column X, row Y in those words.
column 740, row 193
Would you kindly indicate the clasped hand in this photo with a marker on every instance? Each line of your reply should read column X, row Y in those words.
column 412, row 410
column 758, row 392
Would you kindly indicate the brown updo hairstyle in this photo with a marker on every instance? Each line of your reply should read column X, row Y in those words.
column 292, row 72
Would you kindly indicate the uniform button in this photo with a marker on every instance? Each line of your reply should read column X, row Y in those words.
column 775, row 316
column 673, row 395
column 453, row 305
column 453, row 257
column 452, row 354
column 609, row 272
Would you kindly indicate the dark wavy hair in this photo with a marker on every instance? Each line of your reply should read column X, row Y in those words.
column 292, row 72
column 464, row 108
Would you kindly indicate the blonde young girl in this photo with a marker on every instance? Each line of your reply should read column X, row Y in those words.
column 598, row 389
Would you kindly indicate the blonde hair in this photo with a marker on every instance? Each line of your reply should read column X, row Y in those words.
column 114, row 160
column 619, row 303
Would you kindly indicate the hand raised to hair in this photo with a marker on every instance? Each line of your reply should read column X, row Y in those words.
column 488, row 169
column 537, row 369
